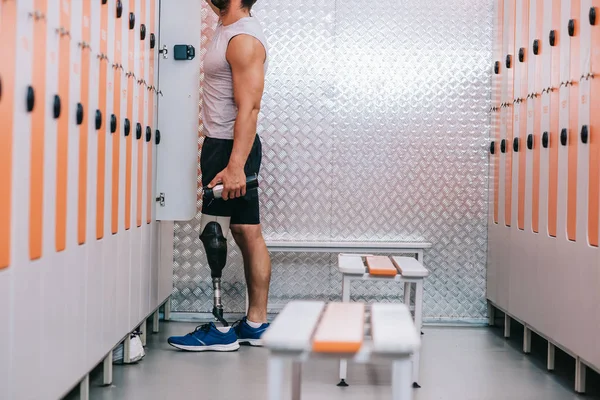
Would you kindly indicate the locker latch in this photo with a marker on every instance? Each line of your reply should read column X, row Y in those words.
column 164, row 51
column 161, row 199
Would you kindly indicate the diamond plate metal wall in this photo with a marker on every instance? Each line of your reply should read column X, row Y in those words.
column 374, row 127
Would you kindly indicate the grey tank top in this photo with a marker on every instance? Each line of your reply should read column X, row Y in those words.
column 219, row 111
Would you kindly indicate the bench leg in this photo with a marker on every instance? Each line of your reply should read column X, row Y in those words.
column 551, row 354
column 127, row 350
column 276, row 377
column 491, row 314
column 343, row 373
column 84, row 388
column 580, row 370
column 506, row 326
column 296, row 380
column 108, row 369
column 155, row 322
column 346, row 283
column 416, row 369
column 407, row 287
column 526, row 340
column 401, row 377
column 167, row 311
column 419, row 306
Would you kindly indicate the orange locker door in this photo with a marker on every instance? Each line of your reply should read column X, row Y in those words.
column 537, row 124
column 36, row 104
column 551, row 137
column 62, row 135
column 115, row 119
column 129, row 126
column 496, row 105
column 510, row 65
column 572, row 133
column 594, row 184
column 141, row 109
column 521, row 112
column 149, row 169
column 8, row 33
column 82, row 121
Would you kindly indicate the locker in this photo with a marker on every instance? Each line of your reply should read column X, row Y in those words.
column 537, row 124
column 37, row 105
column 509, row 109
column 63, row 124
column 8, row 30
column 141, row 115
column 83, row 119
column 117, row 68
column 130, row 125
column 521, row 107
column 496, row 106
column 594, row 141
column 555, row 45
column 151, row 43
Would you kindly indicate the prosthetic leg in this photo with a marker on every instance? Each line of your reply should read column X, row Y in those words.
column 213, row 230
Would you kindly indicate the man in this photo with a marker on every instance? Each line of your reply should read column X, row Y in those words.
column 234, row 67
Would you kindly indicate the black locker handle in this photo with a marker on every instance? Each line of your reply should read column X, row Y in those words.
column 536, row 47
column 119, row 8
column 516, row 143
column 552, row 38
column 30, row 99
column 503, row 146
column 79, row 116
column 138, row 131
column 509, row 61
column 98, row 120
column 493, row 148
column 545, row 140
column 157, row 137
column 530, row 141
column 522, row 54
column 564, row 137
column 497, row 67
column 148, row 134
column 0, row 88
column 56, row 107
column 593, row 16
column 142, row 32
column 585, row 134
column 127, row 127
column 113, row 123
column 152, row 41
column 571, row 27
column 131, row 20
column 104, row 2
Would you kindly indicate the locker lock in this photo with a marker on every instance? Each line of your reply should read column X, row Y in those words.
column 536, row 47
column 142, row 32
column 564, row 137
column 553, row 38
column 522, row 54
column 98, row 120
column 157, row 137
column 503, row 146
column 497, row 67
column 119, row 8
column 571, row 27
column 127, row 127
column 593, row 16
column 545, row 140
column 138, row 131
column 30, row 99
column 516, row 145
column 530, row 141
column 79, row 113
column 56, row 107
column 585, row 134
column 152, row 41
column 113, row 123
column 148, row 134
column 131, row 20
column 508, row 61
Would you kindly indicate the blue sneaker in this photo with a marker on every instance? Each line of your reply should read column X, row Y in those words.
column 206, row 337
column 247, row 334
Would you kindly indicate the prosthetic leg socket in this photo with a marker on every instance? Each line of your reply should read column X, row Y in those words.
column 215, row 246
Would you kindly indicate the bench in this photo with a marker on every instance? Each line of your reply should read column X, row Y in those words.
column 314, row 329
column 398, row 269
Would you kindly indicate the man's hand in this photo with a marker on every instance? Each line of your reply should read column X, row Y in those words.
column 233, row 180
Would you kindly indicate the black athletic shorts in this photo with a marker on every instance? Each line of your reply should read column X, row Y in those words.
column 213, row 159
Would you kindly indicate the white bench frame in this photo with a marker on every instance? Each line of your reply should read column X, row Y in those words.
column 347, row 279
column 295, row 355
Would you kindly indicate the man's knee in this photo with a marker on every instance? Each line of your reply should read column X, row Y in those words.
column 246, row 233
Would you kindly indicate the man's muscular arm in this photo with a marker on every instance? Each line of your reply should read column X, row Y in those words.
column 246, row 56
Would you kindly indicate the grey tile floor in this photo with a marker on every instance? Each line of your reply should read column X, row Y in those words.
column 457, row 364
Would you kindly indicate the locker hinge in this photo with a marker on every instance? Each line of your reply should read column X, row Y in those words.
column 161, row 199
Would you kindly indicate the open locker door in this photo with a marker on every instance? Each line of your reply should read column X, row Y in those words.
column 178, row 110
